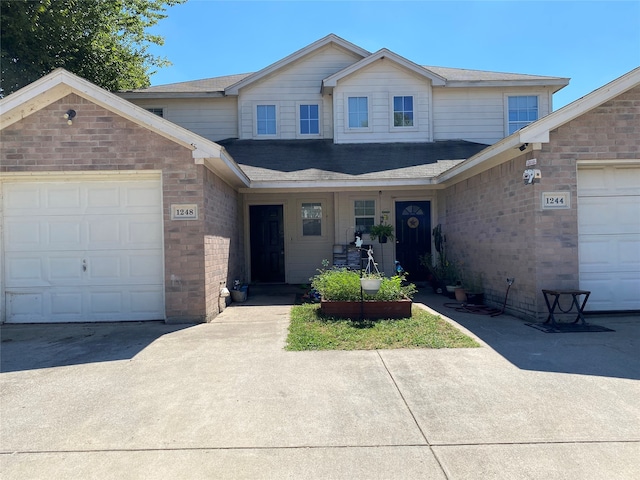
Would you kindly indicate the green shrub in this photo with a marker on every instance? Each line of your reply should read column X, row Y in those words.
column 344, row 285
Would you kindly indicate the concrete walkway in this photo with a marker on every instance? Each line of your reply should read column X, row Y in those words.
column 225, row 401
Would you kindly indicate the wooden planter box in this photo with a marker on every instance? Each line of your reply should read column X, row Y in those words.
column 372, row 309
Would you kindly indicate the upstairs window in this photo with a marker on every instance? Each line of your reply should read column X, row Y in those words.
column 522, row 111
column 309, row 120
column 156, row 111
column 403, row 111
column 358, row 112
column 311, row 219
column 266, row 119
column 364, row 214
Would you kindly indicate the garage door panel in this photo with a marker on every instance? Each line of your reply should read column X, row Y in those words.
column 102, row 304
column 142, row 298
column 79, row 250
column 622, row 253
column 63, row 197
column 25, row 307
column 22, row 234
column 609, row 235
column 67, row 304
column 596, row 214
column 63, row 269
column 134, row 267
column 611, row 293
column 609, row 180
column 25, row 271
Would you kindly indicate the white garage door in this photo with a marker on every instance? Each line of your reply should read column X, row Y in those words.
column 609, row 235
column 78, row 251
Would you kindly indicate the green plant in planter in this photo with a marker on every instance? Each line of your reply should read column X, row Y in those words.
column 341, row 284
column 382, row 232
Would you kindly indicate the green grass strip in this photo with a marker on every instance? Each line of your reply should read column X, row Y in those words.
column 309, row 330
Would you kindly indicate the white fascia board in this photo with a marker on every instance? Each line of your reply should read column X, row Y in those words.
column 225, row 167
column 331, row 38
column 559, row 83
column 505, row 145
column 539, row 131
column 166, row 95
column 332, row 81
column 338, row 184
column 61, row 83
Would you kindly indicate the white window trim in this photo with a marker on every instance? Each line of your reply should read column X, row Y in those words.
column 157, row 107
column 506, row 107
column 349, row 129
column 323, row 225
column 254, row 117
column 392, row 127
column 353, row 210
column 309, row 135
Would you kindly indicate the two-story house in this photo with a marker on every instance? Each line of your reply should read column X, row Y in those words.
column 347, row 137
column 262, row 176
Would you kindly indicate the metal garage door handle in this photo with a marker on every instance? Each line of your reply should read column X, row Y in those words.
column 84, row 264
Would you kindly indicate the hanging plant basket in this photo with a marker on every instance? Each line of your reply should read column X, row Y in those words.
column 370, row 286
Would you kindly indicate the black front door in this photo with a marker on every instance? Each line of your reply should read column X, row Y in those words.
column 413, row 237
column 267, row 243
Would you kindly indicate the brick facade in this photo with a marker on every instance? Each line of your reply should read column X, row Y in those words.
column 199, row 254
column 495, row 224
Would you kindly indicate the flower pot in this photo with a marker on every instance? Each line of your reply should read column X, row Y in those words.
column 461, row 295
column 240, row 295
column 370, row 286
column 382, row 239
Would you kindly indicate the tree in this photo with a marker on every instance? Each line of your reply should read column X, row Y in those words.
column 104, row 41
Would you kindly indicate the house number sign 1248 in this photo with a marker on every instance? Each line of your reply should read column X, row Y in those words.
column 184, row 212
column 556, row 200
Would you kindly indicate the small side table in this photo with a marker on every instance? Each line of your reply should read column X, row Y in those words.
column 574, row 294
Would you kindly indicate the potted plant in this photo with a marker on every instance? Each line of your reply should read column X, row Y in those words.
column 382, row 232
column 473, row 286
column 340, row 293
column 370, row 283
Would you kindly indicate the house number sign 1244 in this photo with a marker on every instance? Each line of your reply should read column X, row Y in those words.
column 555, row 200
column 184, row 212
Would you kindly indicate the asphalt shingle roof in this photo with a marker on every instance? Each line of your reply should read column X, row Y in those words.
column 322, row 160
column 218, row 84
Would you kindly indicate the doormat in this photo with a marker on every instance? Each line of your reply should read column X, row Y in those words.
column 568, row 327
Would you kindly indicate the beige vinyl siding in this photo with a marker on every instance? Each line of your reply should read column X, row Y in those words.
column 477, row 114
column 384, row 254
column 298, row 82
column 214, row 119
column 303, row 254
column 380, row 82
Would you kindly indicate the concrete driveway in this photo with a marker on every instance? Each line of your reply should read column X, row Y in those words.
column 225, row 401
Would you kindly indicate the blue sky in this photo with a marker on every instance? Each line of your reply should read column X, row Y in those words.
column 591, row 42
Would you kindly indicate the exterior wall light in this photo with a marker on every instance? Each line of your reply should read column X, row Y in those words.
column 69, row 116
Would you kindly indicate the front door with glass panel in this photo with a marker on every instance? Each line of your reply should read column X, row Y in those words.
column 413, row 237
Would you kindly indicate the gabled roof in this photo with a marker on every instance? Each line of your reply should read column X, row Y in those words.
column 440, row 76
column 212, row 87
column 329, row 39
column 60, row 83
column 330, row 82
column 539, row 131
column 323, row 164
column 460, row 77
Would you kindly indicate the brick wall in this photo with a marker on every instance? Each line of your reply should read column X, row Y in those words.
column 495, row 224
column 489, row 223
column 223, row 254
column 101, row 140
